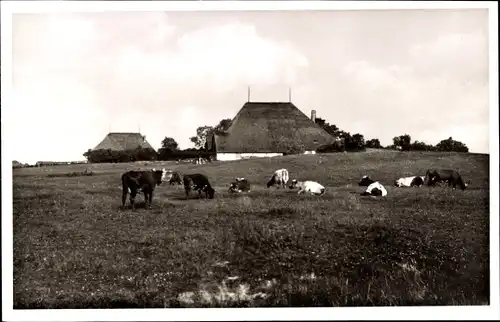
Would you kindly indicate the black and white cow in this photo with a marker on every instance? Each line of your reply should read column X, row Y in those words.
column 374, row 188
column 414, row 181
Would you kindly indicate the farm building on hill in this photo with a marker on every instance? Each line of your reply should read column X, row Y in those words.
column 122, row 142
column 268, row 129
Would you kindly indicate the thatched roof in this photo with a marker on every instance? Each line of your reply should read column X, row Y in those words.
column 122, row 142
column 270, row 127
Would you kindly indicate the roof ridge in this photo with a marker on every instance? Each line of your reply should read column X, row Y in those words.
column 124, row 133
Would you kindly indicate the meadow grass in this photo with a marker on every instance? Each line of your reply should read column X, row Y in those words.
column 75, row 248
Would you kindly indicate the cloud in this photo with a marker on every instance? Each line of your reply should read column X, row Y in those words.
column 460, row 55
column 215, row 58
column 77, row 75
column 442, row 92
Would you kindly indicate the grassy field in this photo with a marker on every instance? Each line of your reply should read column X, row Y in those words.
column 75, row 248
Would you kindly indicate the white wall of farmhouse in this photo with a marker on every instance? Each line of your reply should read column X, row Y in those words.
column 239, row 156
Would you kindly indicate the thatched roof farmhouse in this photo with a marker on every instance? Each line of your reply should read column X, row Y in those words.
column 123, row 141
column 264, row 129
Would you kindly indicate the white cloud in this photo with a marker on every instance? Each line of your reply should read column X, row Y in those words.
column 78, row 74
column 430, row 107
column 53, row 122
column 461, row 55
column 216, row 57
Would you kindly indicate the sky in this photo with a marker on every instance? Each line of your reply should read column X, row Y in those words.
column 78, row 76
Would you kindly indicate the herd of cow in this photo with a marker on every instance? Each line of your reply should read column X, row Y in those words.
column 134, row 182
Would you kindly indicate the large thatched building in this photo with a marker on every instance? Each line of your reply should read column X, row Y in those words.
column 267, row 129
column 123, row 141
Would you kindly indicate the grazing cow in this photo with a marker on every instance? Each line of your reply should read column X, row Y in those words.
column 141, row 181
column 414, row 181
column 374, row 188
column 311, row 187
column 198, row 182
column 280, row 177
column 239, row 185
column 452, row 177
column 175, row 178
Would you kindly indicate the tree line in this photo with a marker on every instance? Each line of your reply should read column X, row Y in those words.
column 344, row 142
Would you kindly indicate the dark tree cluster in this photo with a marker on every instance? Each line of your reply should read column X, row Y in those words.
column 403, row 143
column 344, row 141
column 110, row 156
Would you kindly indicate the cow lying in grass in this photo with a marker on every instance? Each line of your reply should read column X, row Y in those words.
column 239, row 185
column 415, row 181
column 198, row 182
column 141, row 181
column 449, row 176
column 311, row 187
column 279, row 178
column 374, row 188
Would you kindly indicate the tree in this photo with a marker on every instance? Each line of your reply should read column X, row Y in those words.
column 201, row 136
column 354, row 142
column 169, row 145
column 203, row 132
column 450, row 145
column 88, row 155
column 332, row 129
column 222, row 126
column 421, row 146
column 403, row 142
column 373, row 144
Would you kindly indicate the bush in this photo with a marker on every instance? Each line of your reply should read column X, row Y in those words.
column 373, row 144
column 450, row 145
column 403, row 142
column 86, row 172
column 337, row 146
column 354, row 143
column 421, row 146
column 107, row 156
column 185, row 154
column 391, row 147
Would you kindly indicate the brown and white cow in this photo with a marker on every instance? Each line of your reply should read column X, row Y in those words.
column 279, row 178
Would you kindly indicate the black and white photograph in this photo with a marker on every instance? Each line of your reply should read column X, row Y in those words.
column 207, row 160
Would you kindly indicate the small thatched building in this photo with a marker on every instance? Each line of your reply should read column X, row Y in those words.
column 117, row 141
column 267, row 129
